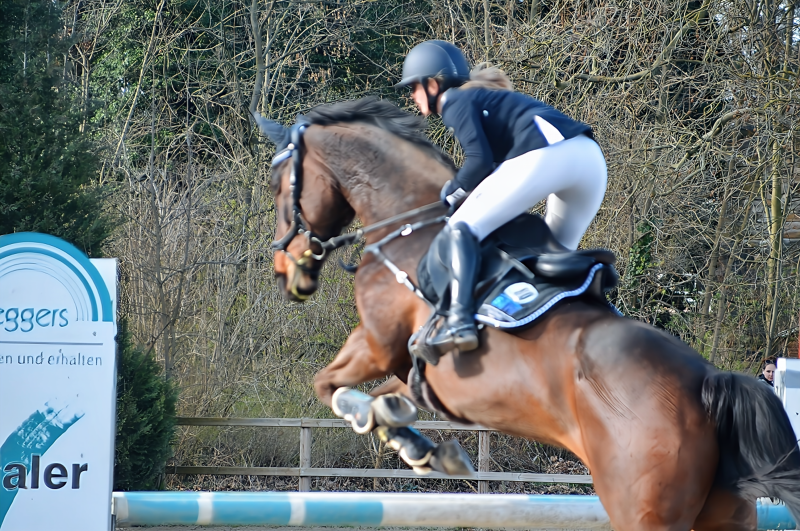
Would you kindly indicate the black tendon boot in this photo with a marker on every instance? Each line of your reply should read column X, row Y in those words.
column 459, row 330
column 423, row 455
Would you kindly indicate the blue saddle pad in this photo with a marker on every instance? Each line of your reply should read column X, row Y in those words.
column 524, row 272
column 517, row 302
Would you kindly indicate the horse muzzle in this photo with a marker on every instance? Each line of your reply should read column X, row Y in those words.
column 303, row 281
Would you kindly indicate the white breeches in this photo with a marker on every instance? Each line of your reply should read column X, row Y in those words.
column 571, row 174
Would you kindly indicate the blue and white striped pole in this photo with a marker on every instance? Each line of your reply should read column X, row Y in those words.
column 380, row 509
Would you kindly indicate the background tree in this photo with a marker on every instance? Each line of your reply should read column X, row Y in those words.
column 145, row 418
column 49, row 165
column 47, row 158
column 694, row 103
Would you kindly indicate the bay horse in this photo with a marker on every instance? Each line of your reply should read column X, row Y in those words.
column 672, row 442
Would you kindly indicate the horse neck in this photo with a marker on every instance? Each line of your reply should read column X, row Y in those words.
column 379, row 174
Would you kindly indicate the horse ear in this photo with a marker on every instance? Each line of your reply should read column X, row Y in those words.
column 278, row 134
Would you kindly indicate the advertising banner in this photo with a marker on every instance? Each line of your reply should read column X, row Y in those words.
column 787, row 387
column 57, row 385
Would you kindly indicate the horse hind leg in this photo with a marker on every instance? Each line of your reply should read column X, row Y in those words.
column 726, row 511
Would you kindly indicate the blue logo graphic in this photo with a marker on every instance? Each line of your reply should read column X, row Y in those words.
column 30, row 251
column 32, row 438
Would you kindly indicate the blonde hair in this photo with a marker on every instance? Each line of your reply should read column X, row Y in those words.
column 486, row 76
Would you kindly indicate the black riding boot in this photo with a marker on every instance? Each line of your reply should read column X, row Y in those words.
column 459, row 330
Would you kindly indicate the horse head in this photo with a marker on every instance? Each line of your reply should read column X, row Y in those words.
column 317, row 212
column 366, row 157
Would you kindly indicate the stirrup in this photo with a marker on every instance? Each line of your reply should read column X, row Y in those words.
column 463, row 338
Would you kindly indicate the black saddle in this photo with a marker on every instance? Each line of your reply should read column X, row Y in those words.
column 524, row 272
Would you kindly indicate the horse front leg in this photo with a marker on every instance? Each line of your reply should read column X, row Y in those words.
column 360, row 361
column 390, row 414
column 393, row 385
column 353, row 365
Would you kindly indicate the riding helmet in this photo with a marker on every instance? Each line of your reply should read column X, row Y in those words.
column 435, row 59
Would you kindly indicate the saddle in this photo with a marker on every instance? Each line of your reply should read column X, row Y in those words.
column 524, row 273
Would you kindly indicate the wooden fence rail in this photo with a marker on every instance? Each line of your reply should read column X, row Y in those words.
column 305, row 472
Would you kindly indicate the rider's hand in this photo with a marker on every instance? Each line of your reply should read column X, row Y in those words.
column 452, row 193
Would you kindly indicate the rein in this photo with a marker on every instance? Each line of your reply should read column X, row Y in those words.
column 299, row 226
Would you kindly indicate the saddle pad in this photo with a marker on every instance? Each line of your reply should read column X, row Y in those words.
column 516, row 302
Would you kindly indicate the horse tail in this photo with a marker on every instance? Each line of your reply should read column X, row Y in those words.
column 759, row 455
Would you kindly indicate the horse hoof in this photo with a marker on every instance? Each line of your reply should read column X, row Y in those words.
column 394, row 410
column 422, row 470
column 354, row 407
column 451, row 459
column 413, row 447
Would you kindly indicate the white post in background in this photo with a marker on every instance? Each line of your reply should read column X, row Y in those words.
column 57, row 385
column 787, row 387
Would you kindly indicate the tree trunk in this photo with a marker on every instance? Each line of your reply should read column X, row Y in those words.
column 534, row 13
column 723, row 293
column 487, row 31
column 775, row 221
column 712, row 261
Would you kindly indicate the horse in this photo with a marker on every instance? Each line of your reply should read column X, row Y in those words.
column 672, row 442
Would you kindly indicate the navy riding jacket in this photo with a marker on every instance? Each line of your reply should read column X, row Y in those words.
column 497, row 125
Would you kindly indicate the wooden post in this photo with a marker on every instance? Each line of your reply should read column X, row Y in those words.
column 305, row 458
column 483, row 459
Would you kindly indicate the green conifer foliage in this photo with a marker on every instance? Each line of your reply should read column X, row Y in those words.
column 48, row 160
column 48, row 165
column 145, row 418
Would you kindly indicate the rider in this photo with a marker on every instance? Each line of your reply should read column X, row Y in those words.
column 518, row 151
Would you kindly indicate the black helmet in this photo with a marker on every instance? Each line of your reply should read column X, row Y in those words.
column 439, row 59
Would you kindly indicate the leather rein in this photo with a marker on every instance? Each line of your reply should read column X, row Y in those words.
column 299, row 225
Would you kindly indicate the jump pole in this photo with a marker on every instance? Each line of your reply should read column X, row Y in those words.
column 381, row 509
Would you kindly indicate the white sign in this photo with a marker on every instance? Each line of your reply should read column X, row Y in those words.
column 787, row 387
column 57, row 385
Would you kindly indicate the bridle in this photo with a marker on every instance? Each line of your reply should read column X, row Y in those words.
column 299, row 226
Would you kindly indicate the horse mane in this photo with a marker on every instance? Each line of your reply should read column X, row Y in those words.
column 382, row 114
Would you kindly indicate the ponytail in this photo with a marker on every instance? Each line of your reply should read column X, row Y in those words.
column 489, row 77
